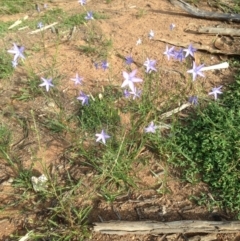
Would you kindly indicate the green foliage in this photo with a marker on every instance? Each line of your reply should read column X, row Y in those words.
column 4, row 27
column 97, row 46
column 52, row 15
column 6, row 68
column 16, row 6
column 206, row 146
column 5, row 138
column 99, row 114
column 23, row 178
column 75, row 20
column 30, row 90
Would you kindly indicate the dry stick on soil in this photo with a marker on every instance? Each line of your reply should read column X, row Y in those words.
column 198, row 47
column 205, row 14
column 174, row 111
column 43, row 28
column 152, row 227
column 216, row 31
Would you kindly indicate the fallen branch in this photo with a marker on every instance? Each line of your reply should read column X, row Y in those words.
column 216, row 31
column 205, row 14
column 199, row 47
column 18, row 22
column 176, row 110
column 152, row 227
column 43, row 28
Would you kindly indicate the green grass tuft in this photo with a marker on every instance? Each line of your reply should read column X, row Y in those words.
column 17, row 6
column 206, row 146
column 6, row 68
column 5, row 139
column 99, row 114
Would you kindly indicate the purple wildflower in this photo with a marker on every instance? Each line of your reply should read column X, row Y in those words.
column 151, row 34
column 149, row 63
column 130, row 79
column 14, row 64
column 129, row 60
column 196, row 70
column 151, row 128
column 77, row 79
column 215, row 91
column 17, row 51
column 103, row 136
column 172, row 26
column 82, row 2
column 105, row 65
column 126, row 93
column 89, row 16
column 190, row 51
column 193, row 100
column 47, row 83
column 169, row 52
column 40, row 25
column 136, row 93
column 179, row 55
column 84, row 98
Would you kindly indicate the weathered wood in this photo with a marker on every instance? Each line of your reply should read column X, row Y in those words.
column 205, row 14
column 216, row 31
column 233, row 51
column 152, row 227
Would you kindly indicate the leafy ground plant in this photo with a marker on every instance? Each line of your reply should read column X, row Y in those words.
column 205, row 146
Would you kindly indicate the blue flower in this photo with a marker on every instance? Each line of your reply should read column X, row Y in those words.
column 105, row 65
column 196, row 70
column 82, row 2
column 47, row 83
column 150, row 65
column 151, row 128
column 215, row 91
column 126, row 93
column 103, row 136
column 130, row 79
column 172, row 26
column 169, row 52
column 129, row 60
column 77, row 79
column 84, row 98
column 193, row 100
column 89, row 16
column 17, row 51
column 136, row 93
column 179, row 55
column 40, row 25
column 190, row 51
column 151, row 34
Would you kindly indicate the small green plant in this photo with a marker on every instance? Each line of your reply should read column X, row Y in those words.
column 4, row 27
column 74, row 20
column 5, row 138
column 6, row 68
column 12, row 7
column 30, row 91
column 205, row 146
column 98, row 114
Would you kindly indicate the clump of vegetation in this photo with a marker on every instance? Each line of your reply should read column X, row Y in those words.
column 5, row 138
column 206, row 146
column 6, row 68
column 12, row 7
column 99, row 113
